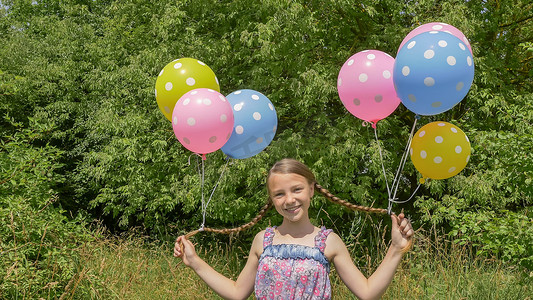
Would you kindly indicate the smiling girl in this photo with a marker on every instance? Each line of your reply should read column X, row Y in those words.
column 292, row 260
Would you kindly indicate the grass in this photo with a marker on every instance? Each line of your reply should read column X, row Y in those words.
column 133, row 268
column 436, row 268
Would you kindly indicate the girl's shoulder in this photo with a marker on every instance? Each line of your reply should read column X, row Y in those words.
column 333, row 238
column 265, row 232
column 260, row 234
column 257, row 244
column 334, row 244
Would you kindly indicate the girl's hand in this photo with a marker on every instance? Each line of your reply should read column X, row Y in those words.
column 184, row 249
column 402, row 231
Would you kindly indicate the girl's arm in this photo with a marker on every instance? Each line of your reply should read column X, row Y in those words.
column 223, row 286
column 376, row 285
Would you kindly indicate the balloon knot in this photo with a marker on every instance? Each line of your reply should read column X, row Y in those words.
column 390, row 212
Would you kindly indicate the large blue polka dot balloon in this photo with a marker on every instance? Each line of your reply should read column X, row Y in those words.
column 255, row 124
column 433, row 72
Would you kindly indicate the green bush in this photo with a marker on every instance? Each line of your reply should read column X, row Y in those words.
column 38, row 241
column 503, row 234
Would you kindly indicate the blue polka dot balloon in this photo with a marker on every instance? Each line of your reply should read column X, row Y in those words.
column 255, row 124
column 433, row 72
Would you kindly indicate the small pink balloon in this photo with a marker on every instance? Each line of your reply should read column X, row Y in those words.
column 436, row 26
column 202, row 120
column 365, row 85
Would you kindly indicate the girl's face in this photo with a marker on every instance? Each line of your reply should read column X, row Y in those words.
column 291, row 195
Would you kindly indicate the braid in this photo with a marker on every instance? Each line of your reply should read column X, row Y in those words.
column 254, row 221
column 351, row 206
column 291, row 166
column 347, row 204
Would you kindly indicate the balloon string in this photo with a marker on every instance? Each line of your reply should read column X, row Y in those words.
column 396, row 182
column 213, row 191
column 202, row 184
column 381, row 157
column 403, row 160
column 189, row 160
column 405, row 201
column 204, row 206
column 201, row 175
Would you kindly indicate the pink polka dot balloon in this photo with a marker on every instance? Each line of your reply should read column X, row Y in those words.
column 436, row 26
column 365, row 85
column 202, row 120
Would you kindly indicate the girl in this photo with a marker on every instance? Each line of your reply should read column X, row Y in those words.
column 292, row 261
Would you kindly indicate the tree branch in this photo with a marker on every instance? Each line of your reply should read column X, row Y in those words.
column 516, row 22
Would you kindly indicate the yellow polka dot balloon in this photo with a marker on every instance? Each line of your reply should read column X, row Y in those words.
column 439, row 150
column 179, row 77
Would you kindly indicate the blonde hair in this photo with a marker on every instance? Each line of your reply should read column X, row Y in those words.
column 292, row 166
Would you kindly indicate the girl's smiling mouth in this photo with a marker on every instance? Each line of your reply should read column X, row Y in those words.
column 293, row 209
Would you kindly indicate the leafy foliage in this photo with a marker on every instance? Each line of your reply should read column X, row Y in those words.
column 86, row 70
column 37, row 239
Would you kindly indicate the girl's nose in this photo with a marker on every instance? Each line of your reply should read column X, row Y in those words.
column 291, row 198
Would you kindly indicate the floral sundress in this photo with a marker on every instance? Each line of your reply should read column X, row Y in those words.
column 289, row 271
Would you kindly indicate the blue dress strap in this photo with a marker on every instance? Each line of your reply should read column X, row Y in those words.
column 268, row 237
column 320, row 239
